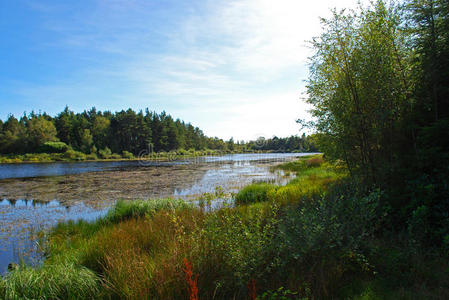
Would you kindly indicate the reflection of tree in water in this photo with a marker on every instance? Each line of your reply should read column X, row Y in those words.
column 101, row 189
column 32, row 204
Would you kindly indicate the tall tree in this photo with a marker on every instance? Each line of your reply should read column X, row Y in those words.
column 359, row 87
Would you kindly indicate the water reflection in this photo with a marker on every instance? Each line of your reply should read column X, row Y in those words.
column 21, row 220
column 30, row 205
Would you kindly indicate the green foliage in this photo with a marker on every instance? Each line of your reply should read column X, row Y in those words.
column 138, row 133
column 257, row 192
column 74, row 155
column 240, row 241
column 379, row 87
column 54, row 147
column 279, row 294
column 64, row 281
column 39, row 131
column 293, row 143
column 139, row 208
column 127, row 155
column 324, row 245
column 360, row 89
column 115, row 156
column 105, row 153
column 92, row 156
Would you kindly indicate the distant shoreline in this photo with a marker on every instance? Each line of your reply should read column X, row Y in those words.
column 30, row 158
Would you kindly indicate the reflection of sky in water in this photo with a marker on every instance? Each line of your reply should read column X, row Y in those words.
column 231, row 177
column 20, row 220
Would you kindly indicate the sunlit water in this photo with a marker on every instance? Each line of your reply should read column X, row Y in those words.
column 34, row 197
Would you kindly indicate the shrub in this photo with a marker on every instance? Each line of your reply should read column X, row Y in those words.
column 127, row 155
column 54, row 147
column 236, row 247
column 115, row 156
column 92, row 156
column 182, row 152
column 253, row 193
column 320, row 241
column 74, row 155
column 105, row 153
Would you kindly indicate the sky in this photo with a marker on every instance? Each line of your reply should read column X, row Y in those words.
column 233, row 68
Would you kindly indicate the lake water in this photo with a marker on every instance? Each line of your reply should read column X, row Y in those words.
column 34, row 197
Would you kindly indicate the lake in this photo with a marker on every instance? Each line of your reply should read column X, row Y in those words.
column 34, row 197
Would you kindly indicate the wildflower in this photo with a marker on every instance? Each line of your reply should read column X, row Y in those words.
column 192, row 280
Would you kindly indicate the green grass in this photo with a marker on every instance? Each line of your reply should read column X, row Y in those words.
column 61, row 281
column 124, row 210
column 315, row 238
column 257, row 192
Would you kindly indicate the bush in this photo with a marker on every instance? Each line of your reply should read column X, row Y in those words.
column 127, row 155
column 115, row 156
column 239, row 247
column 321, row 240
column 74, row 155
column 105, row 153
column 54, row 147
column 92, row 156
column 257, row 192
column 182, row 152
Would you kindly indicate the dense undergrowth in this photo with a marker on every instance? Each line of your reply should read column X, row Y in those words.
column 318, row 237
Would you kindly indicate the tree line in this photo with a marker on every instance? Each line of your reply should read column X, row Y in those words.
column 93, row 131
column 379, row 86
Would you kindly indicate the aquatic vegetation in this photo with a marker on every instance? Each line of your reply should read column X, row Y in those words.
column 257, row 192
column 59, row 281
column 124, row 210
column 314, row 238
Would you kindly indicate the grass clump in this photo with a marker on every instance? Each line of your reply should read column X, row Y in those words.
column 124, row 210
column 61, row 281
column 256, row 192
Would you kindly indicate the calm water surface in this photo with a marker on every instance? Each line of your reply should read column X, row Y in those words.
column 34, row 197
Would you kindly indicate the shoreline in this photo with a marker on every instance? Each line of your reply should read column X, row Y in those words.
column 163, row 157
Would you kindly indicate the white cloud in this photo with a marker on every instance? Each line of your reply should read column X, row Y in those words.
column 234, row 68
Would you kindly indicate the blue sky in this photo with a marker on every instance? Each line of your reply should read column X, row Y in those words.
column 233, row 68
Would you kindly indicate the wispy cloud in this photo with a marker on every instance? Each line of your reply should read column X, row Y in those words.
column 234, row 68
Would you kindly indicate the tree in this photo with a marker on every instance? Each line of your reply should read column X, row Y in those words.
column 39, row 131
column 12, row 136
column 359, row 88
column 86, row 141
column 100, row 131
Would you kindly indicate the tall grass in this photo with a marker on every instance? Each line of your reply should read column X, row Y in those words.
column 314, row 238
column 61, row 281
column 256, row 192
column 124, row 210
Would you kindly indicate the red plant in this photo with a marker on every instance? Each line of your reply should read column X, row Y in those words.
column 252, row 291
column 191, row 279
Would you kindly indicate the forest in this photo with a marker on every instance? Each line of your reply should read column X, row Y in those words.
column 105, row 133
